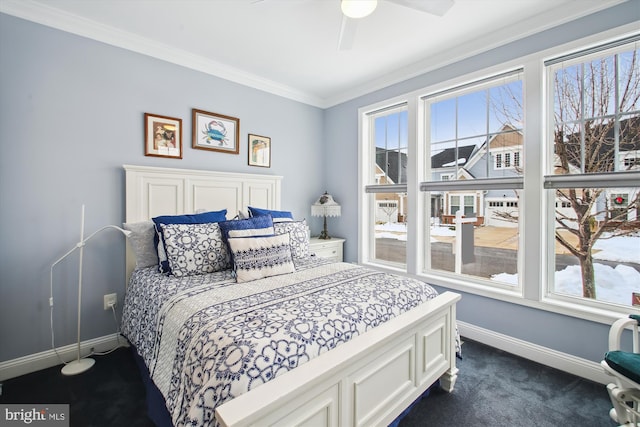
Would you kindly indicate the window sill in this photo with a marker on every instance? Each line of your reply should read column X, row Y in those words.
column 564, row 306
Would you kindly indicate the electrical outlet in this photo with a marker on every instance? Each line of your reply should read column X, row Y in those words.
column 110, row 299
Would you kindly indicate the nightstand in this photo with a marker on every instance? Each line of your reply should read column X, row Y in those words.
column 329, row 248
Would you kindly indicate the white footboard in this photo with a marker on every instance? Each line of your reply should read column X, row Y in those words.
column 368, row 381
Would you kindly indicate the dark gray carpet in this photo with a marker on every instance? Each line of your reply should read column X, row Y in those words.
column 498, row 389
column 494, row 389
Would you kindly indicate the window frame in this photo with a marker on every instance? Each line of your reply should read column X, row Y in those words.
column 534, row 219
column 370, row 182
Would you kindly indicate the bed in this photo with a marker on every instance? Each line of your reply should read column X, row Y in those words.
column 266, row 333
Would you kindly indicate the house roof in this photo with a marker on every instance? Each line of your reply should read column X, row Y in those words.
column 447, row 157
column 393, row 163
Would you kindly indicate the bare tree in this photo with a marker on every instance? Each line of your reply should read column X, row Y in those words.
column 590, row 134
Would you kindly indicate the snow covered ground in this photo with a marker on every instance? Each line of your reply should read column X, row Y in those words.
column 612, row 284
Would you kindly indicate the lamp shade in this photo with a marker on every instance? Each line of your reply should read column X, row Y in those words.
column 326, row 206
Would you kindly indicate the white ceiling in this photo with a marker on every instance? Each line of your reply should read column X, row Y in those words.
column 290, row 47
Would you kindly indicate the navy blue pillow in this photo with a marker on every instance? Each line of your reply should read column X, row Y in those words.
column 274, row 214
column 258, row 226
column 201, row 218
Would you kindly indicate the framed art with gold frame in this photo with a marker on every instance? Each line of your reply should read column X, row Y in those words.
column 215, row 132
column 259, row 151
column 162, row 136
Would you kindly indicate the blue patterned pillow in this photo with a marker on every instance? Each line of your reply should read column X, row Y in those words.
column 258, row 226
column 195, row 248
column 259, row 257
column 299, row 235
column 201, row 218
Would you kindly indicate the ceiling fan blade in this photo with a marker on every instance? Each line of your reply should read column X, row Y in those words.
column 347, row 33
column 434, row 7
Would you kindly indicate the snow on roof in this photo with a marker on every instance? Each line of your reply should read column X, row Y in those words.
column 461, row 161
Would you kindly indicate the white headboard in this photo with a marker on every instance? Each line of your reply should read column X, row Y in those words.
column 154, row 191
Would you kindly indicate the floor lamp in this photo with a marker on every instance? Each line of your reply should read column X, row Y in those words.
column 79, row 365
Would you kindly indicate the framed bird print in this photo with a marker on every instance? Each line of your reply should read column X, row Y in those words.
column 162, row 136
column 215, row 132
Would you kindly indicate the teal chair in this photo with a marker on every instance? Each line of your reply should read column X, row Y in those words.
column 624, row 367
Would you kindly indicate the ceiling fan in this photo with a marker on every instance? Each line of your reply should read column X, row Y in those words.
column 353, row 10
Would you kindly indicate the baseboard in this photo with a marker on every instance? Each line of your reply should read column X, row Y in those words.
column 546, row 356
column 565, row 362
column 46, row 359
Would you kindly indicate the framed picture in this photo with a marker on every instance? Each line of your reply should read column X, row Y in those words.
column 259, row 151
column 215, row 132
column 162, row 136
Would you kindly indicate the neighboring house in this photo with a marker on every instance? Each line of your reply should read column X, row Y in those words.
column 449, row 164
column 391, row 168
column 603, row 156
column 466, row 162
column 506, row 160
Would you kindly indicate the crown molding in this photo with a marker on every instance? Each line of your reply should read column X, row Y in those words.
column 54, row 18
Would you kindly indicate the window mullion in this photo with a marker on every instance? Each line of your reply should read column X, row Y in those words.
column 616, row 109
column 532, row 239
column 414, row 206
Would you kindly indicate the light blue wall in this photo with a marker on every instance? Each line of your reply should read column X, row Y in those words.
column 71, row 114
column 574, row 336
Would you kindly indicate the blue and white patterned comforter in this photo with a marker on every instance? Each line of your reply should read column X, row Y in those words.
column 207, row 339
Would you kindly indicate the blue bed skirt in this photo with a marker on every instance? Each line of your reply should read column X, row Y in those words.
column 156, row 408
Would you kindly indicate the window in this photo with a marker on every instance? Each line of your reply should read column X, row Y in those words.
column 474, row 130
column 475, row 181
column 387, row 185
column 630, row 163
column 504, row 160
column 595, row 127
column 465, row 203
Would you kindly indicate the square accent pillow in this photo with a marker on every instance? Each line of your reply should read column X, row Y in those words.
column 299, row 235
column 258, row 257
column 201, row 218
column 195, row 248
column 258, row 226
column 141, row 239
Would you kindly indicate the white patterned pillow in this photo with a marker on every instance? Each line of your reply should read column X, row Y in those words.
column 258, row 257
column 299, row 234
column 195, row 248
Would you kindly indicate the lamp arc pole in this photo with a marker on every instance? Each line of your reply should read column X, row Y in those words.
column 80, row 364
